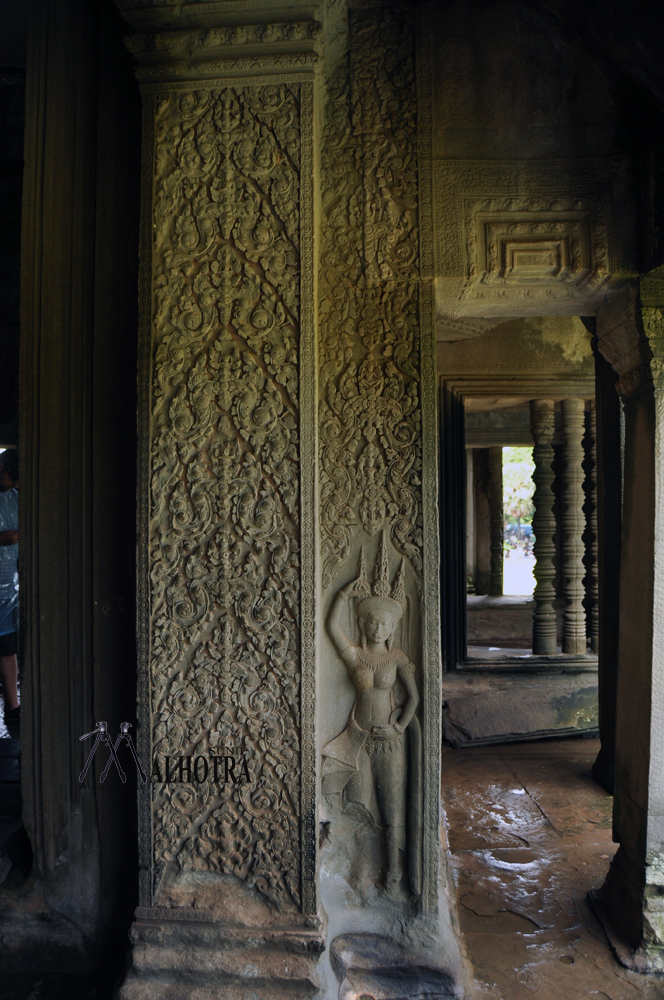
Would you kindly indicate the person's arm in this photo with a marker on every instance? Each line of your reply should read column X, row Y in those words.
column 337, row 634
column 406, row 674
column 9, row 537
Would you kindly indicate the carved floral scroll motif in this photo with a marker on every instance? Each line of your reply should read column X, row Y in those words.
column 224, row 519
column 369, row 316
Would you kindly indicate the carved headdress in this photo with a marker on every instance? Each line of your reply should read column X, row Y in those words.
column 382, row 596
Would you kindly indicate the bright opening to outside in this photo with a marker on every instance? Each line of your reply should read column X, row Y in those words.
column 518, row 510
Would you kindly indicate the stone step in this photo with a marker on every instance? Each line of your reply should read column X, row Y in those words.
column 206, row 987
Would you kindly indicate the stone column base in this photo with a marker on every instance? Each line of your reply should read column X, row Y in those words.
column 193, row 956
column 648, row 957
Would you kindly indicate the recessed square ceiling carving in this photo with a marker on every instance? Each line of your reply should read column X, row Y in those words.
column 519, row 237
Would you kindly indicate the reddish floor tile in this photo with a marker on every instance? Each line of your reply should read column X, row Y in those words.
column 530, row 835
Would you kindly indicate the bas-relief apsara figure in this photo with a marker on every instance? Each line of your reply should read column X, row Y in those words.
column 376, row 760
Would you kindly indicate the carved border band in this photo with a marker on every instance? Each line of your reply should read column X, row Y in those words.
column 431, row 673
column 143, row 736
column 308, row 502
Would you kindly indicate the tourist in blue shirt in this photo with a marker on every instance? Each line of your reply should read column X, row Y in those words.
column 9, row 582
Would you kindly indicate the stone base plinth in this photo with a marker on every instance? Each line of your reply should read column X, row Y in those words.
column 497, row 705
column 648, row 957
column 189, row 957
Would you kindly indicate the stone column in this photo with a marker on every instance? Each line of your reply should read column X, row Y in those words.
column 470, row 518
column 631, row 337
column 496, row 506
column 609, row 538
column 482, row 518
column 227, row 524
column 590, row 535
column 279, row 464
column 544, row 527
column 574, row 617
column 77, row 512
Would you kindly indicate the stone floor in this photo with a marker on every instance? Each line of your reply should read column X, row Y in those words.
column 499, row 621
column 529, row 836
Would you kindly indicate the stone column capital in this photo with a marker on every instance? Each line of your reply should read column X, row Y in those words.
column 622, row 341
column 631, row 337
column 542, row 420
column 653, row 325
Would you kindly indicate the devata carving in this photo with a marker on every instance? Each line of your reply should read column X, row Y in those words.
column 377, row 760
column 224, row 526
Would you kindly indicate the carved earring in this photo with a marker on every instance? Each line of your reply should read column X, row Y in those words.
column 363, row 635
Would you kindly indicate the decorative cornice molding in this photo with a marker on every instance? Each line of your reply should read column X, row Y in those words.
column 209, row 69
column 185, row 44
column 197, row 41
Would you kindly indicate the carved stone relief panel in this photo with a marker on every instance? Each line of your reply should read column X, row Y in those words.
column 369, row 427
column 515, row 237
column 230, row 635
column 377, row 466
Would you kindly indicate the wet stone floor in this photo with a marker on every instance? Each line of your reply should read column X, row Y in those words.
column 529, row 836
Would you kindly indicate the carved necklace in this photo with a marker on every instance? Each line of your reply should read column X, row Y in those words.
column 376, row 660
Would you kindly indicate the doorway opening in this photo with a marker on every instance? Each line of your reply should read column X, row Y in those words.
column 531, row 559
column 518, row 510
column 15, row 850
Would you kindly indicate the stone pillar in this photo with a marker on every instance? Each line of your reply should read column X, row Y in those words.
column 609, row 538
column 590, row 535
column 574, row 618
column 497, row 527
column 287, row 492
column 77, row 497
column 227, row 524
column 470, row 519
column 544, row 527
column 453, row 529
column 482, row 521
column 629, row 904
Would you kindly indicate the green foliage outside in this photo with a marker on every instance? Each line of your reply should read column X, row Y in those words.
column 518, row 486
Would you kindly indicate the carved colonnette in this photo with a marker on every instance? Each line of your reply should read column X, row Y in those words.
column 227, row 466
column 544, row 526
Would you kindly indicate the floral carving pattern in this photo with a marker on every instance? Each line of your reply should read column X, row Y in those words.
column 225, row 480
column 369, row 315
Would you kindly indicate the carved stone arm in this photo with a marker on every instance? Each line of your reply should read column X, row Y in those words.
column 337, row 634
column 406, row 674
